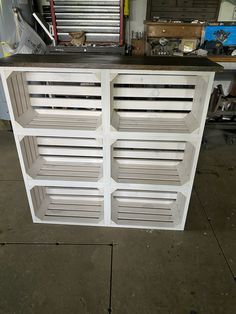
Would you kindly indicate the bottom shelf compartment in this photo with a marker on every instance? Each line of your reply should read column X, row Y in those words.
column 67, row 205
column 148, row 209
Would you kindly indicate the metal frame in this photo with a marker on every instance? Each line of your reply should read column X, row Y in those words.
column 107, row 193
column 98, row 14
column 54, row 23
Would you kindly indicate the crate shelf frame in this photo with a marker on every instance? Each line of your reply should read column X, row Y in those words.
column 108, row 135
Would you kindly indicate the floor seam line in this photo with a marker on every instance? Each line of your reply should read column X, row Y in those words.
column 54, row 243
column 111, row 279
column 3, row 180
column 215, row 236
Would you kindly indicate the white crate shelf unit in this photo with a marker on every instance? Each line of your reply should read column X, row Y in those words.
column 108, row 141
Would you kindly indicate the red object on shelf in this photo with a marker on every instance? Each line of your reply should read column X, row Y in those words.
column 57, row 38
column 54, row 22
column 121, row 22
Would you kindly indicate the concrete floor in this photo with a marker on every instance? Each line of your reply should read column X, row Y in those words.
column 70, row 269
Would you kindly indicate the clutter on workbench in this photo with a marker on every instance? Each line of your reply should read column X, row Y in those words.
column 175, row 38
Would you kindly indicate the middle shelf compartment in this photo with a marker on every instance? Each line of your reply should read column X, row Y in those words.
column 155, row 162
column 59, row 158
column 152, row 162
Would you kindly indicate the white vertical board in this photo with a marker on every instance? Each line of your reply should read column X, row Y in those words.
column 108, row 147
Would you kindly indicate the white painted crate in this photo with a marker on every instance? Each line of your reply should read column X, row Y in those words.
column 67, row 205
column 157, row 103
column 152, row 162
column 56, row 100
column 60, row 158
column 148, row 208
column 108, row 147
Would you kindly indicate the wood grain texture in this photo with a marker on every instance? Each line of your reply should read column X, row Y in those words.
column 111, row 62
column 222, row 58
column 169, row 30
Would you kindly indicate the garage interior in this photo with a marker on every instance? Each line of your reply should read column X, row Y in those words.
column 66, row 268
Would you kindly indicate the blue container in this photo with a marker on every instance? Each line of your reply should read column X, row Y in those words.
column 223, row 33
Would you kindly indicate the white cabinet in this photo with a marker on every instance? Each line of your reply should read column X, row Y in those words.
column 108, row 147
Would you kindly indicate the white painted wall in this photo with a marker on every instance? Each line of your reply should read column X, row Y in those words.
column 7, row 24
column 137, row 14
column 136, row 18
column 227, row 9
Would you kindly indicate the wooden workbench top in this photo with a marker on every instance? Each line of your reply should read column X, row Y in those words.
column 222, row 58
column 112, row 62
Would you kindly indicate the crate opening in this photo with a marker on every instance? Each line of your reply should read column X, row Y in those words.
column 153, row 209
column 155, row 103
column 56, row 100
column 152, row 162
column 58, row 158
column 67, row 205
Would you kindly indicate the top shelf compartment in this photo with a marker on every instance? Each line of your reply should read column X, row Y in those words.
column 157, row 103
column 56, row 100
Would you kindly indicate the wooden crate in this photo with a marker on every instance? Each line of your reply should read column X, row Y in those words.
column 108, row 147
column 67, row 205
column 157, row 103
column 56, row 100
column 152, row 162
column 147, row 208
column 60, row 158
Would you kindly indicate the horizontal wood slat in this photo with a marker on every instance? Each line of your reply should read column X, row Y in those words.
column 65, row 90
column 60, row 141
column 65, row 102
column 153, row 92
column 61, row 77
column 147, row 154
column 69, row 152
column 152, row 105
column 150, row 144
column 155, row 79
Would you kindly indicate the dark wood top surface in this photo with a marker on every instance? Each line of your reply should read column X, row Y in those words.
column 222, row 58
column 111, row 62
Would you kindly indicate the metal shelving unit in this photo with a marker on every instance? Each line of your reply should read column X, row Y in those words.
column 108, row 147
column 102, row 20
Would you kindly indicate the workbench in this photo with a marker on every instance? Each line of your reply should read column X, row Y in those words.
column 227, row 62
column 108, row 140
